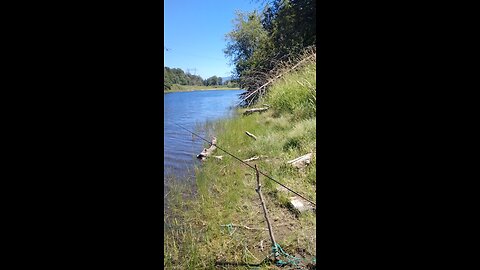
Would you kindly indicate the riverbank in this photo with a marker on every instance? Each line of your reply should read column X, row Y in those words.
column 187, row 88
column 224, row 221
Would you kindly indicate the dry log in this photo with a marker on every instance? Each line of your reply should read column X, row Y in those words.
column 218, row 157
column 251, row 135
column 207, row 152
column 247, row 112
column 302, row 161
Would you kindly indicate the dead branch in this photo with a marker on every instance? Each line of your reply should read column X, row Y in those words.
column 246, row 227
column 276, row 77
column 265, row 213
column 254, row 158
column 251, row 135
column 251, row 159
column 250, row 111
column 302, row 161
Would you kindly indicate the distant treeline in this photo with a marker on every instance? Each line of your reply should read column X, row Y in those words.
column 173, row 76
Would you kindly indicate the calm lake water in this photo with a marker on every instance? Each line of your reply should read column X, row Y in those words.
column 191, row 110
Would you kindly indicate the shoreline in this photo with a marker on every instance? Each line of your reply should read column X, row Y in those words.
column 225, row 206
column 199, row 89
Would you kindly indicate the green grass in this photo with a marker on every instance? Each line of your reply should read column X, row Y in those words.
column 225, row 189
column 295, row 93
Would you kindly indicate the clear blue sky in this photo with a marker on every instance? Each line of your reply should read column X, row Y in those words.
column 194, row 33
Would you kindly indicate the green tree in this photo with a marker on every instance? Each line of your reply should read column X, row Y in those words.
column 259, row 41
column 247, row 36
column 178, row 76
column 212, row 81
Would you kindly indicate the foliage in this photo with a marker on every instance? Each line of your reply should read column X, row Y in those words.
column 176, row 76
column 247, row 38
column 258, row 42
column 295, row 93
column 214, row 80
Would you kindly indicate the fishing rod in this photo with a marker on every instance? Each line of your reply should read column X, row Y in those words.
column 248, row 165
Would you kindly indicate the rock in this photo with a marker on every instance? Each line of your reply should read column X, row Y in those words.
column 281, row 189
column 300, row 204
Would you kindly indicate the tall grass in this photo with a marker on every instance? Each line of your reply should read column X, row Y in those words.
column 295, row 93
column 225, row 189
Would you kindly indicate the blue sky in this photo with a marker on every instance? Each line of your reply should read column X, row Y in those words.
column 194, row 33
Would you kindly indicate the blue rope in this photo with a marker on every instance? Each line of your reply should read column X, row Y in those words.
column 277, row 249
column 291, row 260
column 229, row 228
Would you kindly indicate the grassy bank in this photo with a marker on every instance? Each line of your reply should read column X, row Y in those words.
column 197, row 235
column 185, row 88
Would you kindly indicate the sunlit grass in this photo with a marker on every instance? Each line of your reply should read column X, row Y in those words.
column 225, row 189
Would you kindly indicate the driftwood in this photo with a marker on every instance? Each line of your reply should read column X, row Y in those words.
column 302, row 161
column 251, row 135
column 207, row 152
column 247, row 112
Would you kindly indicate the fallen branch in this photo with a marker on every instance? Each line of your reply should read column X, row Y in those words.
column 251, row 159
column 302, row 161
column 250, row 111
column 243, row 226
column 254, row 158
column 251, row 135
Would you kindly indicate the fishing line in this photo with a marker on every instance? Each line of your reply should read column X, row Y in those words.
column 248, row 165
